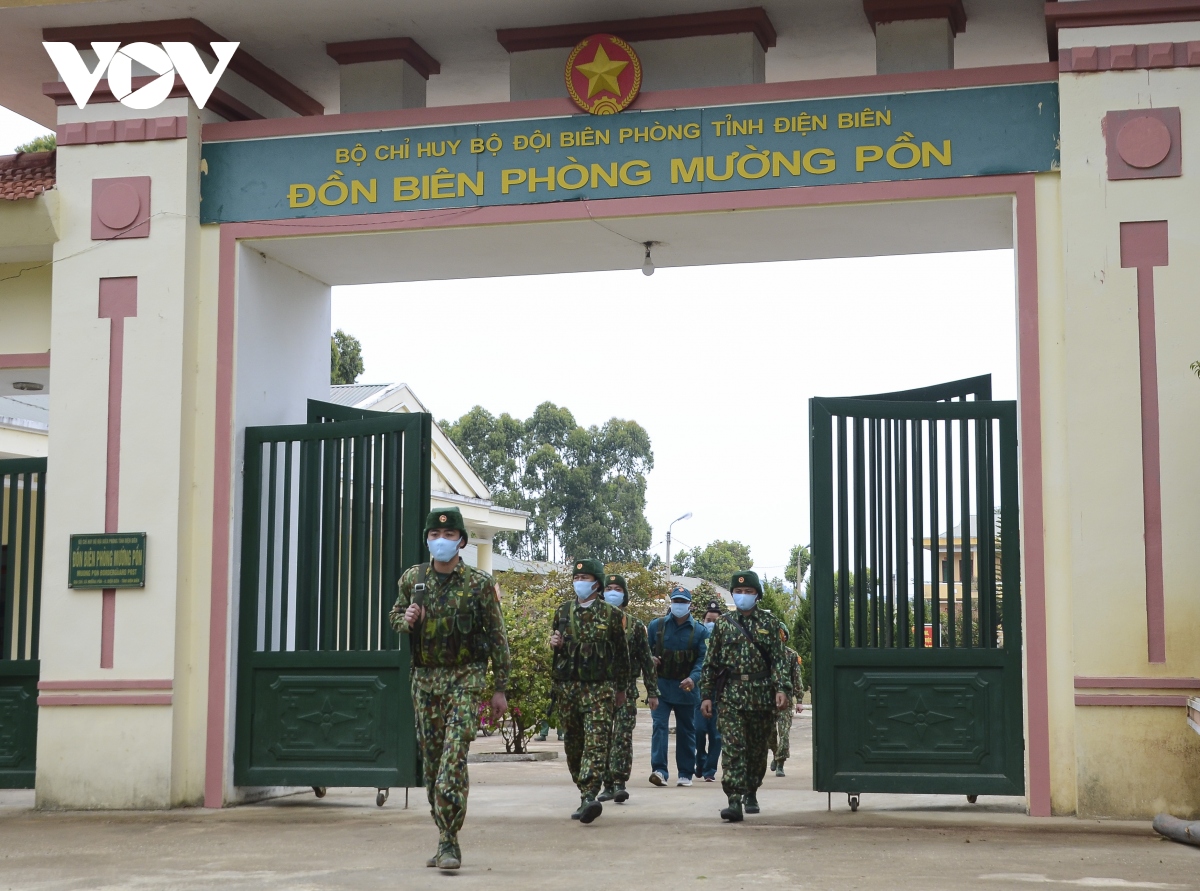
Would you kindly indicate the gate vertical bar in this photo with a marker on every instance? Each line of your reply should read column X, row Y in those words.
column 39, row 542
column 902, row 530
column 889, row 550
column 935, row 562
column 9, row 494
column 821, row 522
column 358, row 567
column 22, row 606
column 843, row 543
column 873, row 520
column 964, row 460
column 860, row 535
column 951, row 619
column 285, row 564
column 918, row 534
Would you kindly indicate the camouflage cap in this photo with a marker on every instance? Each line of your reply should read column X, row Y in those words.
column 446, row 518
column 590, row 567
column 746, row 579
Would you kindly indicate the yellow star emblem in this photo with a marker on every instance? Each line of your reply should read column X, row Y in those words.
column 602, row 73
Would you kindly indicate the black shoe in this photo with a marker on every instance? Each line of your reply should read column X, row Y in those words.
column 732, row 813
column 751, row 802
column 607, row 795
column 590, row 810
column 620, row 793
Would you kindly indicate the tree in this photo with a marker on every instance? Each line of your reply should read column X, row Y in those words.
column 345, row 358
column 716, row 562
column 802, row 638
column 585, row 488
column 1195, row 367
column 44, row 143
column 797, row 567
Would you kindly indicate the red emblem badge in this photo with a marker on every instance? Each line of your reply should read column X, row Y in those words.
column 603, row 74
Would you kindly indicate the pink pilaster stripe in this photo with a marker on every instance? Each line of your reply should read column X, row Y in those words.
column 118, row 301
column 1144, row 246
column 127, row 684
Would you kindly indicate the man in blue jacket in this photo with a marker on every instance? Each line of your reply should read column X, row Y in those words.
column 677, row 642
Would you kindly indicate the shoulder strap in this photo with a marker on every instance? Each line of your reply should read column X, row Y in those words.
column 662, row 637
column 419, row 588
column 737, row 620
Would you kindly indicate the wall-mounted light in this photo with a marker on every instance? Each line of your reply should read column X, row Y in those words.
column 648, row 264
column 34, row 386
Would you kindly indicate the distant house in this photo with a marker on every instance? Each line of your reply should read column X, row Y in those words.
column 691, row 582
column 24, row 426
column 454, row 482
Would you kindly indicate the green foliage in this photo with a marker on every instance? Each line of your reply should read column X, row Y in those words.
column 345, row 358
column 44, row 143
column 716, row 562
column 585, row 488
column 1195, row 367
column 701, row 595
column 528, row 602
column 777, row 601
column 801, row 640
column 799, row 561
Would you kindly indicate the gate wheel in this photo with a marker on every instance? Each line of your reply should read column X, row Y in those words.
column 381, row 796
column 852, row 799
column 971, row 799
column 319, row 791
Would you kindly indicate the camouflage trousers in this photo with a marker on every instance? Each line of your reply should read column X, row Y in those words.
column 620, row 752
column 586, row 716
column 446, row 725
column 780, row 742
column 744, row 738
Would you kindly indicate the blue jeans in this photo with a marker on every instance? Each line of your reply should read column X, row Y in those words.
column 685, row 737
column 707, row 737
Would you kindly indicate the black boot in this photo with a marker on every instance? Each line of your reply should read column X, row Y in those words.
column 620, row 793
column 607, row 794
column 590, row 810
column 733, row 813
column 752, row 803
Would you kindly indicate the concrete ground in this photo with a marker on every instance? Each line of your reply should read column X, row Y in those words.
column 518, row 835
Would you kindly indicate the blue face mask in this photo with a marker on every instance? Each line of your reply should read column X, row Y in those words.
column 584, row 590
column 442, row 549
column 745, row 602
column 679, row 610
column 614, row 598
column 709, row 625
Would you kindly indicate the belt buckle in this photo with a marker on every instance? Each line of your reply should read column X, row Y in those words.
column 745, row 677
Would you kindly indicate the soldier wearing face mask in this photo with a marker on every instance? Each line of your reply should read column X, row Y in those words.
column 591, row 675
column 747, row 673
column 451, row 614
column 620, row 759
column 678, row 644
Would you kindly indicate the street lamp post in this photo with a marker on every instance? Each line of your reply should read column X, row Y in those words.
column 686, row 516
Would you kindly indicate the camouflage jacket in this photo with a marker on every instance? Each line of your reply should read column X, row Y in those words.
column 640, row 658
column 752, row 680
column 462, row 630
column 792, row 658
column 595, row 647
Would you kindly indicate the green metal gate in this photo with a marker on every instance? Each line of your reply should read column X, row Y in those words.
column 916, row 586
column 332, row 514
column 22, row 507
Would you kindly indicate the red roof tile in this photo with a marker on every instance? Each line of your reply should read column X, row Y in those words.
column 26, row 175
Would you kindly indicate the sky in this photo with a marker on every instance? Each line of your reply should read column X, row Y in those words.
column 716, row 362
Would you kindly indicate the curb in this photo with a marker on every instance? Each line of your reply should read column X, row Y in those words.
column 490, row 757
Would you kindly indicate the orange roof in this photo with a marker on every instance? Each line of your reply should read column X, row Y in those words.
column 26, row 174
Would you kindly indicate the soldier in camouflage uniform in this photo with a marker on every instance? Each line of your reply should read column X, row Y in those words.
column 620, row 758
column 451, row 613
column 745, row 671
column 780, row 744
column 591, row 676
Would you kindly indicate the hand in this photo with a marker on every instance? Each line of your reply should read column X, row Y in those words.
column 556, row 640
column 687, row 685
column 652, row 701
column 622, row 698
column 657, row 662
column 799, row 708
column 499, row 706
column 706, row 708
column 414, row 614
column 781, row 700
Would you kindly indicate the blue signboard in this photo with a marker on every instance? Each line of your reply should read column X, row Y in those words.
column 926, row 135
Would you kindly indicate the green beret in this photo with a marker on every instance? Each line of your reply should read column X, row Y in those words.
column 613, row 579
column 591, row 567
column 446, row 518
column 746, row 579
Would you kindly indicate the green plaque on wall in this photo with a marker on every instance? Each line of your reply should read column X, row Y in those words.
column 108, row 560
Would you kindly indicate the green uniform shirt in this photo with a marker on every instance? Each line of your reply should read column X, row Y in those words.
column 730, row 649
column 473, row 595
column 793, row 660
column 640, row 658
